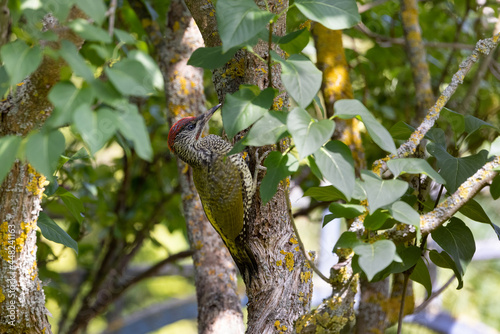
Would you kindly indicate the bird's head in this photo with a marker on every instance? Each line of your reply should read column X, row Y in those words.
column 188, row 130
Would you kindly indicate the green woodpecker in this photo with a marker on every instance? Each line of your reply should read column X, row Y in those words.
column 224, row 183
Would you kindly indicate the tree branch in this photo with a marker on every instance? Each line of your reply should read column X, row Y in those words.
column 446, row 209
column 484, row 46
column 299, row 240
column 434, row 294
column 385, row 40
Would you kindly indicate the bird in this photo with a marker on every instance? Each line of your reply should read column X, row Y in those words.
column 224, row 183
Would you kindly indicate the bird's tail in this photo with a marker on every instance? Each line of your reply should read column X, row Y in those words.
column 245, row 260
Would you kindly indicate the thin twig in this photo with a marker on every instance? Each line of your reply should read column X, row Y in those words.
column 408, row 148
column 301, row 245
column 111, row 12
column 403, row 296
column 424, row 304
column 451, row 56
column 401, row 41
column 269, row 61
column 439, row 196
column 368, row 6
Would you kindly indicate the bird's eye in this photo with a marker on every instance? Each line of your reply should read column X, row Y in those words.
column 190, row 126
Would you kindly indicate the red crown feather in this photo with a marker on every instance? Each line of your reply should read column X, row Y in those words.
column 174, row 130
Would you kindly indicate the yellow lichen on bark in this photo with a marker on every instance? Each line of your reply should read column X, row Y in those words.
column 37, row 180
column 289, row 260
column 332, row 62
column 279, row 327
column 26, row 228
column 235, row 69
column 337, row 86
column 6, row 241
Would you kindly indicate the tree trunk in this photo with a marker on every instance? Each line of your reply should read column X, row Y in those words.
column 417, row 57
column 22, row 300
column 281, row 290
column 219, row 309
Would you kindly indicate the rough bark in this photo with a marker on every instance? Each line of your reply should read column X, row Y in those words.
column 336, row 85
column 336, row 312
column 281, row 290
column 372, row 313
column 4, row 22
column 417, row 56
column 22, row 300
column 215, row 273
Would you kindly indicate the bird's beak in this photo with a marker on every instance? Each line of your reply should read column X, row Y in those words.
column 203, row 119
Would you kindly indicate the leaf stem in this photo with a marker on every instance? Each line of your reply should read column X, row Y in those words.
column 301, row 245
column 249, row 49
column 269, row 61
column 403, row 297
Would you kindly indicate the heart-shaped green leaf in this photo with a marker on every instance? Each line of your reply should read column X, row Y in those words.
column 335, row 15
column 20, row 60
column 379, row 134
column 96, row 128
column 337, row 166
column 375, row 257
column 278, row 166
column 43, row 150
column 244, row 107
column 301, row 77
column 51, row 231
column 382, row 192
column 239, row 21
column 308, row 134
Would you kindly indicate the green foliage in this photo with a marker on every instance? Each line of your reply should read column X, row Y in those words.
column 240, row 21
column 20, row 60
column 66, row 98
column 268, row 129
column 128, row 78
column 346, row 109
column 301, row 78
column 456, row 170
column 375, row 257
column 295, row 41
column 279, row 166
column 376, row 220
column 74, row 205
column 308, row 133
column 211, row 58
column 96, row 128
column 404, row 213
column 244, row 107
column 413, row 166
column 110, row 97
column 336, row 164
column 43, row 150
column 339, row 210
column 495, row 187
column 341, row 14
column 347, row 240
column 473, row 210
column 326, row 194
column 132, row 126
column 94, row 9
column 70, row 54
column 89, row 31
column 457, row 241
column 8, row 150
column 53, row 232
column 382, row 192
column 421, row 275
